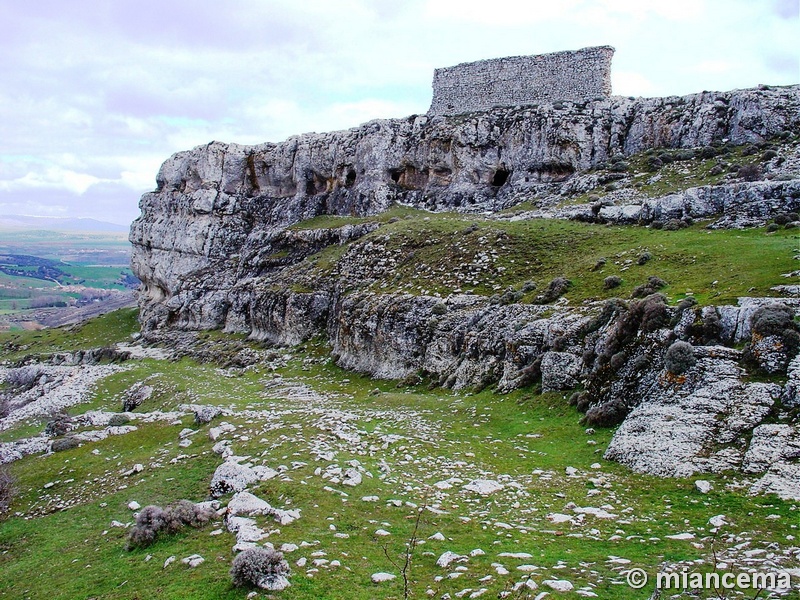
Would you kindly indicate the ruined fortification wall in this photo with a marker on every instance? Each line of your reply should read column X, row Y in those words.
column 517, row 80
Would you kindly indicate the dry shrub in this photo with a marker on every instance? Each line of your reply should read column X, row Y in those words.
column 152, row 520
column 7, row 489
column 260, row 567
column 679, row 358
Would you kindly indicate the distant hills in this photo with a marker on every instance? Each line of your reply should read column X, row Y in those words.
column 59, row 224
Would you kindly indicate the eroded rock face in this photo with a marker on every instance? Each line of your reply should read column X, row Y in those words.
column 215, row 242
column 220, row 212
column 693, row 423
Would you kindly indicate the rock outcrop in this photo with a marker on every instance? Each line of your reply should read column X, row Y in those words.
column 220, row 213
column 226, row 238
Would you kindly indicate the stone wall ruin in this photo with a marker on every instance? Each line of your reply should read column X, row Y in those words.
column 575, row 76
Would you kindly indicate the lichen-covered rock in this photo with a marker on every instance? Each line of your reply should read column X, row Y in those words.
column 560, row 371
column 205, row 414
column 245, row 503
column 782, row 479
column 136, row 395
column 231, row 477
column 697, row 423
column 771, row 444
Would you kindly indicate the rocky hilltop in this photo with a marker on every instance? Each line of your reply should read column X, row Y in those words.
column 318, row 235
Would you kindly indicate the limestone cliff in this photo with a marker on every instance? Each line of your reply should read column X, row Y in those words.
column 217, row 213
column 242, row 238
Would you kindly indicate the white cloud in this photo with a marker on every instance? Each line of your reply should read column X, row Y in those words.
column 94, row 100
column 51, row 177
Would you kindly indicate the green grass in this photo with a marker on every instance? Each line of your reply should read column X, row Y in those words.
column 106, row 330
column 66, row 531
column 438, row 254
column 334, row 221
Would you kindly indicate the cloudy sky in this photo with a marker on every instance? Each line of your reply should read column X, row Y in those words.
column 95, row 95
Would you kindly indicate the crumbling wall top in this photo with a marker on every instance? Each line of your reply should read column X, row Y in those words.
column 518, row 80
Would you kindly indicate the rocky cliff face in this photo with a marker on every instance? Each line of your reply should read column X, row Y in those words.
column 216, row 215
column 218, row 246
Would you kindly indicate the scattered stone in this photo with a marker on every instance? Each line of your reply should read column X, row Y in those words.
column 703, row 486
column 382, row 577
column 195, row 560
column 680, row 536
column 483, row 486
column 351, row 478
column 446, row 558
column 231, row 477
column 559, row 585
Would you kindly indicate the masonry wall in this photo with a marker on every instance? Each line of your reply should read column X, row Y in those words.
column 518, row 80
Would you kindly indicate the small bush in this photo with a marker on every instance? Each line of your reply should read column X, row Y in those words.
column 510, row 296
column 118, row 420
column 772, row 319
column 647, row 289
column 617, row 361
column 608, row 414
column 184, row 513
column 599, row 264
column 7, row 489
column 711, row 329
column 679, row 358
column 772, row 227
column 58, row 426
column 653, row 311
column 791, row 341
column 618, row 167
column 657, row 224
column 673, row 225
column 768, row 155
column 782, row 218
column 716, row 170
column 644, row 257
column 708, row 152
column 556, row 288
column 152, row 520
column 611, row 282
column 62, row 444
column 262, row 568
column 750, row 172
column 528, row 286
column 5, row 406
column 439, row 308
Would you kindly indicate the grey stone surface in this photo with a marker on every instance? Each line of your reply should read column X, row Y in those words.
column 692, row 424
column 519, row 80
column 231, row 477
column 560, row 371
column 220, row 213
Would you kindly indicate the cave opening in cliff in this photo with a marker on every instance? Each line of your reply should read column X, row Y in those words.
column 350, row 180
column 500, row 177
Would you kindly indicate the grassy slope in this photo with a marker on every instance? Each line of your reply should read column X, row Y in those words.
column 440, row 254
column 67, row 531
